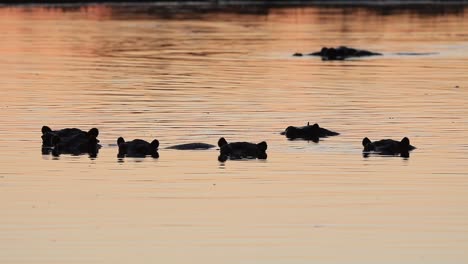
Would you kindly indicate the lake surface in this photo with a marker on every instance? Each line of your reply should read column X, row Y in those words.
column 181, row 75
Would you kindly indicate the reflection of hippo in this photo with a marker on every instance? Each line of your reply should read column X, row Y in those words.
column 192, row 146
column 240, row 150
column 69, row 141
column 48, row 134
column 387, row 147
column 137, row 148
column 76, row 144
column 308, row 132
column 342, row 53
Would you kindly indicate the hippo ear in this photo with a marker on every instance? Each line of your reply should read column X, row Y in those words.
column 155, row 144
column 262, row 146
column 120, row 141
column 405, row 142
column 93, row 132
column 366, row 141
column 46, row 129
column 221, row 142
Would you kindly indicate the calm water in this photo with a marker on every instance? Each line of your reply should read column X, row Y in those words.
column 179, row 76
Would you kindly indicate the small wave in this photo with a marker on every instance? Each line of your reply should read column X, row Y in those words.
column 416, row 53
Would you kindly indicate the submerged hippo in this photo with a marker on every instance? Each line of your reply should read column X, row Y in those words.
column 241, row 150
column 387, row 147
column 341, row 53
column 192, row 146
column 309, row 132
column 70, row 141
column 137, row 148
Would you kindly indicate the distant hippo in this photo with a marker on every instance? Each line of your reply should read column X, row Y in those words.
column 241, row 150
column 192, row 146
column 76, row 144
column 309, row 132
column 137, row 148
column 342, row 53
column 387, row 147
column 48, row 134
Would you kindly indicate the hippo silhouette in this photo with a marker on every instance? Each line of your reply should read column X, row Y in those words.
column 137, row 148
column 241, row 150
column 387, row 147
column 48, row 134
column 309, row 132
column 70, row 141
column 342, row 53
column 192, row 146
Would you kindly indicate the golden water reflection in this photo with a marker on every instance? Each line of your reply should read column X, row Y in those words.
column 196, row 77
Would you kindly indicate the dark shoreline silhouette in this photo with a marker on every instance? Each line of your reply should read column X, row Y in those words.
column 256, row 2
column 182, row 8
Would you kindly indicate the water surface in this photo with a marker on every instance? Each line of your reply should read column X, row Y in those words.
column 182, row 76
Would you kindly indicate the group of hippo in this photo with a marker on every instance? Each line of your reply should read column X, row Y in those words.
column 381, row 147
column 339, row 53
column 76, row 141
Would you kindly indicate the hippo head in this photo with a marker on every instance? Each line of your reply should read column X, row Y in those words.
column 137, row 148
column 308, row 132
column 388, row 146
column 239, row 150
column 48, row 134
